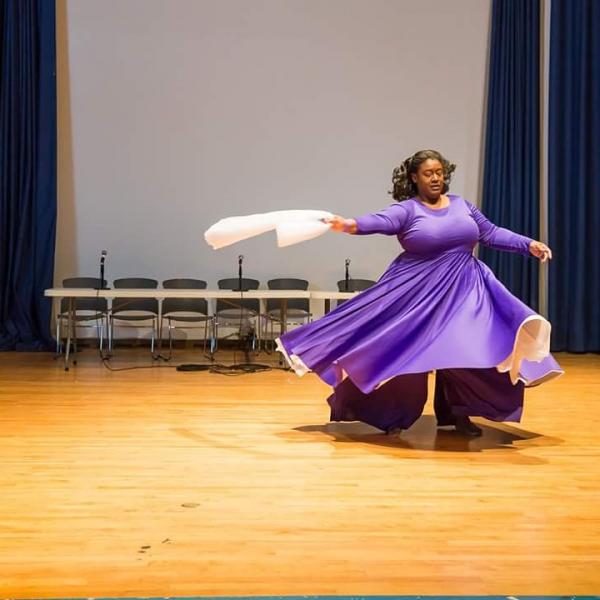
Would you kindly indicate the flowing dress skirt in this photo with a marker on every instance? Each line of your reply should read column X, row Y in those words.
column 445, row 313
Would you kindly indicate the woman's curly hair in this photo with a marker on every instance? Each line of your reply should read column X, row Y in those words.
column 401, row 177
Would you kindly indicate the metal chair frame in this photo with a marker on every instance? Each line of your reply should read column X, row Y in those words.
column 298, row 309
column 96, row 309
column 147, row 305
column 172, row 306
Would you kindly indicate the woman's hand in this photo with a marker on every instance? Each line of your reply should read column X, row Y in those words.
column 338, row 223
column 540, row 250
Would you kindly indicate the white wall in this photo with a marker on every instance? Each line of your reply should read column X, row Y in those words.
column 175, row 113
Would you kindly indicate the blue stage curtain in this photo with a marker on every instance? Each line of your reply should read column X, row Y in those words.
column 512, row 149
column 574, row 175
column 27, row 171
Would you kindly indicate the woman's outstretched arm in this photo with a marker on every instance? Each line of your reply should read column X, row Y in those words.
column 501, row 238
column 389, row 221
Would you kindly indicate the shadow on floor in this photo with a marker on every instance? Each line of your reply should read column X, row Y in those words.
column 424, row 435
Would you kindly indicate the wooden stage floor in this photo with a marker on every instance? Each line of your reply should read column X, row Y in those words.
column 161, row 483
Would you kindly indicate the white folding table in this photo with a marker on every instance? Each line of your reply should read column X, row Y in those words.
column 160, row 294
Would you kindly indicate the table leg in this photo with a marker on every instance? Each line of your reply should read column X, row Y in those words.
column 262, row 333
column 70, row 312
column 283, row 321
column 75, row 349
column 159, row 327
column 283, row 315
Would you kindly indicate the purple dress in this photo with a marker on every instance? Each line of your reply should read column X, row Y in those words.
column 436, row 308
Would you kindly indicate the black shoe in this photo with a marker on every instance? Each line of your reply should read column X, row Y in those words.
column 466, row 427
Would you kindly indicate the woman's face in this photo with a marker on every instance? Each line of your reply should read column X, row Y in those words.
column 429, row 178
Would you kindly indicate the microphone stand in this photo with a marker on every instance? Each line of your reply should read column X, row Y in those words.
column 240, row 261
column 245, row 333
column 101, row 284
column 347, row 275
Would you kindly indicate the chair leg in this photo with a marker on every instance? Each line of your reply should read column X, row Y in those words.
column 75, row 340
column 253, row 330
column 58, row 334
column 153, row 336
column 213, row 337
column 106, row 329
column 259, row 331
column 111, row 333
column 272, row 344
column 266, row 335
column 170, row 339
column 100, row 326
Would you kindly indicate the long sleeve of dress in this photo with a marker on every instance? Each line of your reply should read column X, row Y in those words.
column 498, row 237
column 389, row 221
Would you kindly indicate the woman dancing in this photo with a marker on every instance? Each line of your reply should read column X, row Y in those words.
column 436, row 308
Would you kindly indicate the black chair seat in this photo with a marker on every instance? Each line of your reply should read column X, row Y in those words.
column 297, row 313
column 147, row 306
column 78, row 317
column 123, row 317
column 187, row 318
column 297, row 310
column 236, row 313
column 180, row 312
